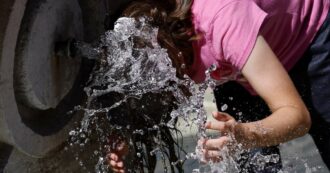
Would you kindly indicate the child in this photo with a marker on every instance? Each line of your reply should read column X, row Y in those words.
column 253, row 42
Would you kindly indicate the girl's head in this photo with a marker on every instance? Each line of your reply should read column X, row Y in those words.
column 175, row 30
column 172, row 18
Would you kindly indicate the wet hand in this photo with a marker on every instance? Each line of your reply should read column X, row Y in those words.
column 225, row 125
column 116, row 156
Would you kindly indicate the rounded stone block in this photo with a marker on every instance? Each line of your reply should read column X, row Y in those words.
column 38, row 88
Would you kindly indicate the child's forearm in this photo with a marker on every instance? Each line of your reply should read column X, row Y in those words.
column 282, row 125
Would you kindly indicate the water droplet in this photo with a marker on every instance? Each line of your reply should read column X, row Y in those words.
column 224, row 107
column 72, row 133
column 195, row 171
column 213, row 67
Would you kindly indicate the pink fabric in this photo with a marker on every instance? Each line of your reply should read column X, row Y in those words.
column 229, row 28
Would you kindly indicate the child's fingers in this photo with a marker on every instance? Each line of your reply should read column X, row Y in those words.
column 223, row 127
column 216, row 144
column 213, row 155
column 113, row 156
column 113, row 163
column 221, row 116
column 119, row 149
column 216, row 125
column 120, row 164
column 116, row 166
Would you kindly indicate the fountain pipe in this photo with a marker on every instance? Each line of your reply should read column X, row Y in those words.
column 72, row 48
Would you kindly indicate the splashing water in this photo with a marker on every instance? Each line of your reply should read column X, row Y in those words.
column 132, row 64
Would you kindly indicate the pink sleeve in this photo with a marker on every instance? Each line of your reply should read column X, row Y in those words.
column 235, row 30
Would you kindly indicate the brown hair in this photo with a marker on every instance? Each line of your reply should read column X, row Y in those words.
column 175, row 30
column 173, row 18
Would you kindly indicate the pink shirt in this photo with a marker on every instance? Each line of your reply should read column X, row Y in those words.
column 229, row 28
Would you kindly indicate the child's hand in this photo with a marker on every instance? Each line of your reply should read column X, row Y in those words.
column 117, row 154
column 225, row 124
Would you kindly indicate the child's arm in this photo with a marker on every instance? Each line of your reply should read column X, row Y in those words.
column 290, row 117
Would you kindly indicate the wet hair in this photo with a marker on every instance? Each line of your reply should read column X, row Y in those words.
column 175, row 29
